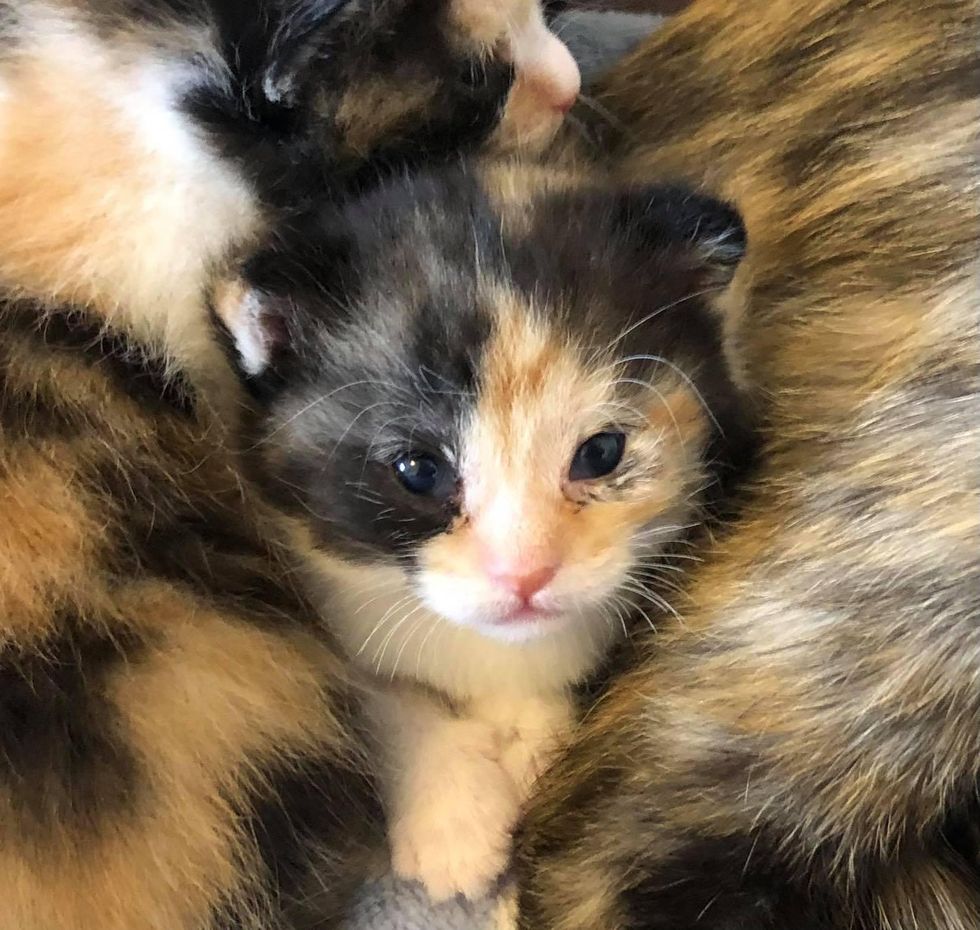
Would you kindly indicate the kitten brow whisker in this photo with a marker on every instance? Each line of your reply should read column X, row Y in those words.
column 686, row 378
column 350, row 426
column 316, row 402
column 663, row 400
column 662, row 309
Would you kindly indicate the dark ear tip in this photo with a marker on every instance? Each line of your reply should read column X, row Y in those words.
column 678, row 215
column 722, row 234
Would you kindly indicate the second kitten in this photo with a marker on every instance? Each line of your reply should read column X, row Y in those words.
column 496, row 399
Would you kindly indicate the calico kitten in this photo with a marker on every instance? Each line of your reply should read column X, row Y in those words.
column 804, row 750
column 497, row 398
column 141, row 140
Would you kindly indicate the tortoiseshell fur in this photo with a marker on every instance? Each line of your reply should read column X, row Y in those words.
column 176, row 742
column 179, row 746
column 803, row 749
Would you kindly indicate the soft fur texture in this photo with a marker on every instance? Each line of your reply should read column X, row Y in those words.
column 179, row 745
column 459, row 318
column 141, row 141
column 802, row 750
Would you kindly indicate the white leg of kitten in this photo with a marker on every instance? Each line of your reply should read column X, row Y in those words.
column 531, row 731
column 504, row 916
column 451, row 805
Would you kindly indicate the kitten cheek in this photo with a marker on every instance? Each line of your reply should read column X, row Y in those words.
column 598, row 578
column 457, row 598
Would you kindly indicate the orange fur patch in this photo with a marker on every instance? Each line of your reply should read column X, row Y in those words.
column 47, row 544
column 94, row 207
column 210, row 704
column 539, row 400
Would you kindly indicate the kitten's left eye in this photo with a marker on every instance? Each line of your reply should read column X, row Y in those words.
column 597, row 456
column 425, row 474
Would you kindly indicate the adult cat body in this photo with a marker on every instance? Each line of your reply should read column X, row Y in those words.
column 795, row 752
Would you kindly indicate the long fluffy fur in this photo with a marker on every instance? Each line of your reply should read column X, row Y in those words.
column 803, row 750
column 178, row 742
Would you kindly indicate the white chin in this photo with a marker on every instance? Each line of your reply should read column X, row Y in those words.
column 521, row 631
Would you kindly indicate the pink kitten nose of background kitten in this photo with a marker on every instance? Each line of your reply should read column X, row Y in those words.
column 553, row 76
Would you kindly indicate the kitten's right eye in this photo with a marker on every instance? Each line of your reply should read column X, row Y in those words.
column 597, row 456
column 425, row 474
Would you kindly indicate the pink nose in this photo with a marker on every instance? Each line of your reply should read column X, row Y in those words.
column 525, row 584
column 553, row 75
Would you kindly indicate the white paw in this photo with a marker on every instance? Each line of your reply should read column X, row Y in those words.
column 505, row 911
column 532, row 733
column 525, row 760
column 451, row 828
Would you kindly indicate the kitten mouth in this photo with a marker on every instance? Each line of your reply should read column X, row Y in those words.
column 526, row 613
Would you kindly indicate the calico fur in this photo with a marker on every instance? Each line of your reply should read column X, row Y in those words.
column 180, row 745
column 180, row 741
column 459, row 317
column 797, row 751
column 142, row 143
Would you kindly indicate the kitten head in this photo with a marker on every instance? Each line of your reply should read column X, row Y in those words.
column 386, row 81
column 516, row 400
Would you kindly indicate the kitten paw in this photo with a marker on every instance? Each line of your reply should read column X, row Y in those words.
column 452, row 831
column 525, row 760
column 532, row 732
column 505, row 912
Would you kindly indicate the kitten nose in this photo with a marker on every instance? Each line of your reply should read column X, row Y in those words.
column 545, row 69
column 524, row 583
column 554, row 77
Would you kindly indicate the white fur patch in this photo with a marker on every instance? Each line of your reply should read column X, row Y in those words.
column 390, row 630
column 160, row 218
column 241, row 311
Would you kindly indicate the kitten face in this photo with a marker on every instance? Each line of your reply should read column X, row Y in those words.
column 512, row 403
column 431, row 74
column 335, row 88
column 566, row 477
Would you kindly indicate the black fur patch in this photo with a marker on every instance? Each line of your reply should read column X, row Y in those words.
column 312, row 56
column 381, row 354
column 61, row 760
column 724, row 883
column 199, row 541
column 135, row 373
column 33, row 414
column 288, row 816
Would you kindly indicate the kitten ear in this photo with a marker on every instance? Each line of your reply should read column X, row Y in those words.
column 678, row 218
column 302, row 32
column 252, row 322
column 303, row 277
